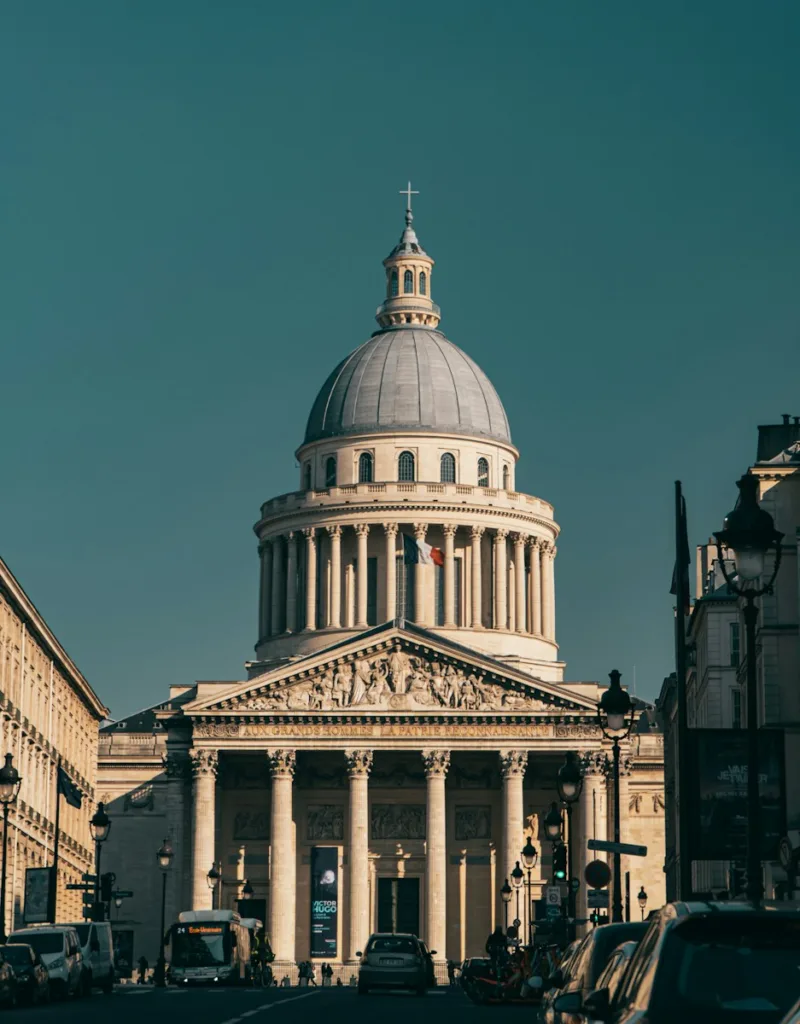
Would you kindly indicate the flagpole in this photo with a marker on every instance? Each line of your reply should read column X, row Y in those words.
column 52, row 896
column 682, row 782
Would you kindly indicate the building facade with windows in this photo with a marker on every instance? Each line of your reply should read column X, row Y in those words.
column 405, row 715
column 49, row 714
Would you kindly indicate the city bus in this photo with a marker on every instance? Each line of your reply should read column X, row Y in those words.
column 209, row 946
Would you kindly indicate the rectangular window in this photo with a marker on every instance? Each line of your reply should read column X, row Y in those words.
column 372, row 591
column 736, row 709
column 404, row 589
column 735, row 655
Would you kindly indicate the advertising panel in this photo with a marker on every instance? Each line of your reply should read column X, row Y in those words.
column 324, row 901
column 718, row 826
column 37, row 890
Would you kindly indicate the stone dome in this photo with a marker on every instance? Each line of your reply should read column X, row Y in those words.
column 408, row 378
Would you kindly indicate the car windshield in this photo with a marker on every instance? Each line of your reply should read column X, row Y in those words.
column 723, row 969
column 17, row 956
column 83, row 932
column 42, row 942
column 392, row 944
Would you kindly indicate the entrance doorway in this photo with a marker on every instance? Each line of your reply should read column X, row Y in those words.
column 398, row 905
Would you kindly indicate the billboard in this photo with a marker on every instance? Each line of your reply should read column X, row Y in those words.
column 324, row 901
column 718, row 793
column 37, row 891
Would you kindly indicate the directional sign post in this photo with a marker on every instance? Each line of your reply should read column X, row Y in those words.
column 81, row 887
column 89, row 878
column 123, row 894
column 627, row 848
column 597, row 898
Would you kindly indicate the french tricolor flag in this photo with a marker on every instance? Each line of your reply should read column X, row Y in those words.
column 417, row 552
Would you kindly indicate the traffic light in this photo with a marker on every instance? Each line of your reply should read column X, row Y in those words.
column 107, row 886
column 560, row 863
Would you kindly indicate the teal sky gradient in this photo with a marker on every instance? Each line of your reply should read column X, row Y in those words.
column 195, row 199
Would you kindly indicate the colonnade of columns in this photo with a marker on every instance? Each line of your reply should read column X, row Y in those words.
column 522, row 585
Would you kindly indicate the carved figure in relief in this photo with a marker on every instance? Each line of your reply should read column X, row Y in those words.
column 361, row 681
column 342, row 685
column 399, row 669
column 378, row 691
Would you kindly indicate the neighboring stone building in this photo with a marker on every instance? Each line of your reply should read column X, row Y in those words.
column 49, row 711
column 406, row 710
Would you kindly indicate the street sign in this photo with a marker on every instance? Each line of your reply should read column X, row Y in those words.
column 552, row 897
column 81, row 887
column 553, row 911
column 575, row 884
column 123, row 894
column 89, row 878
column 628, row 848
column 597, row 899
column 597, row 874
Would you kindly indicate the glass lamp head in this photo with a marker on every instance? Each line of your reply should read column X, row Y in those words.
column 505, row 892
column 642, row 898
column 552, row 823
column 213, row 877
column 247, row 890
column 165, row 854
column 10, row 781
column 616, row 707
column 516, row 876
column 529, row 855
column 749, row 531
column 100, row 825
column 570, row 779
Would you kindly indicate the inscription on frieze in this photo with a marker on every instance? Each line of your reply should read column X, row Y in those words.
column 325, row 821
column 411, row 730
column 398, row 821
column 473, row 822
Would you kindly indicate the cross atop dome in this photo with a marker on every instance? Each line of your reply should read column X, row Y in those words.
column 408, row 193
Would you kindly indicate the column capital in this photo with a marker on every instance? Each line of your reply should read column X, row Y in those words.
column 477, row 532
column 358, row 762
column 533, row 541
column 593, row 763
column 362, row 529
column 449, row 529
column 177, row 766
column 500, row 535
column 334, row 531
column 513, row 763
column 436, row 762
column 518, row 538
column 390, row 529
column 281, row 763
column 204, row 762
column 420, row 529
column 309, row 532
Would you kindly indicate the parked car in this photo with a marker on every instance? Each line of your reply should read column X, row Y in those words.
column 793, row 1016
column 704, row 963
column 97, row 949
column 430, row 971
column 614, row 971
column 586, row 965
column 8, row 983
column 393, row 960
column 60, row 950
column 33, row 981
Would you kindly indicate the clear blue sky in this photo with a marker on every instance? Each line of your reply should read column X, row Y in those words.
column 195, row 199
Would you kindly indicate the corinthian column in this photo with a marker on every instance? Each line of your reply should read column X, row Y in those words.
column 535, row 587
column 500, row 580
column 265, row 551
column 282, row 861
column 335, row 534
column 390, row 532
column 362, row 532
column 178, row 770
column 477, row 588
column 512, row 768
column 420, row 576
column 519, row 580
column 548, row 591
column 449, row 574
column 593, row 817
column 359, row 763
column 436, row 764
column 278, row 589
column 291, row 582
column 310, row 535
column 204, row 771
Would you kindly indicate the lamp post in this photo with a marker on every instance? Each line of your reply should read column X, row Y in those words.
column 516, row 881
column 570, row 783
column 749, row 532
column 164, row 857
column 247, row 890
column 100, row 827
column 10, row 781
column 505, row 893
column 615, row 716
column 213, row 878
column 642, row 899
column 530, row 856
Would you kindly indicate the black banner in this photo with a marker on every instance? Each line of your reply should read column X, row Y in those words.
column 718, row 824
column 324, row 901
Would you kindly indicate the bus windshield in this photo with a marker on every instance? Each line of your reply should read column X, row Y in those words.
column 201, row 945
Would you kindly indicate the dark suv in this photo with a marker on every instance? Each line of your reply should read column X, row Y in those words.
column 705, row 963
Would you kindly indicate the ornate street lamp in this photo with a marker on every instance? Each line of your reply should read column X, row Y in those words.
column 100, row 828
column 530, row 855
column 213, row 878
column 247, row 890
column 10, row 781
column 517, row 876
column 164, row 856
column 642, row 898
column 615, row 714
column 552, row 823
column 505, row 893
column 749, row 532
column 570, row 783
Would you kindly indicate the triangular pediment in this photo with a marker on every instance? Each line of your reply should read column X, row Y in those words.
column 393, row 670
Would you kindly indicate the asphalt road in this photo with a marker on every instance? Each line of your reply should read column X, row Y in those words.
column 131, row 1004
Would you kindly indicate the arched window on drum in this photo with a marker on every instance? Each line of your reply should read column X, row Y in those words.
column 330, row 471
column 365, row 468
column 423, row 283
column 483, row 473
column 405, row 467
column 447, row 469
column 408, row 283
column 505, row 478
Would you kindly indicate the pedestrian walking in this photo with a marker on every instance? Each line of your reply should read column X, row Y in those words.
column 143, row 965
column 451, row 972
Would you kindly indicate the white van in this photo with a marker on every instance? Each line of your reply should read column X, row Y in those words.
column 60, row 949
column 98, row 954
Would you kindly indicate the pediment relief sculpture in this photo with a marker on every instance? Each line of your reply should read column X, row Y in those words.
column 393, row 681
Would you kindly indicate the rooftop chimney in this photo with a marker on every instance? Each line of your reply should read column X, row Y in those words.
column 786, row 419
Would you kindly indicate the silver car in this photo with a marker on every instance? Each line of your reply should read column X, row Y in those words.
column 392, row 960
